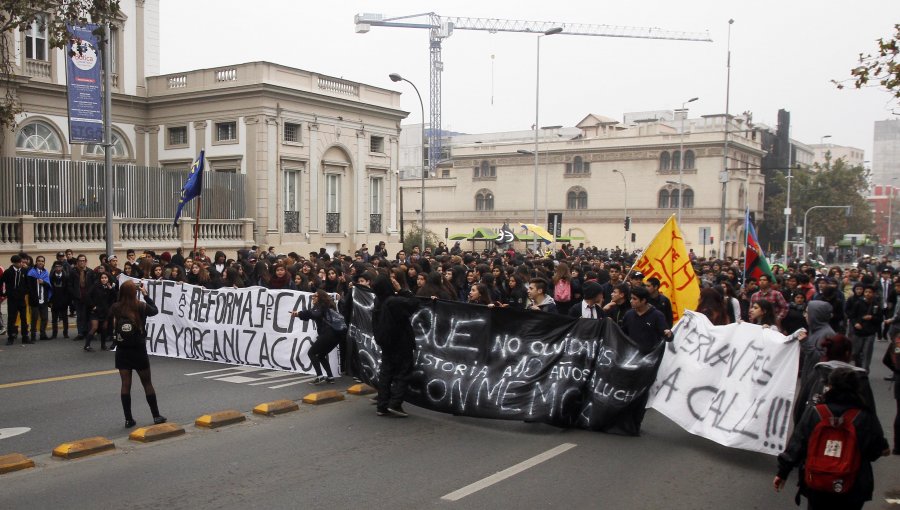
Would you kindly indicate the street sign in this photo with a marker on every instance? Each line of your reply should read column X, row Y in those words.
column 820, row 241
column 705, row 236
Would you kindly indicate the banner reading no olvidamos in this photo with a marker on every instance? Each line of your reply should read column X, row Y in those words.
column 251, row 326
column 732, row 384
column 499, row 363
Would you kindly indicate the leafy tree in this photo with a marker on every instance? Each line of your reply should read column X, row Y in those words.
column 834, row 183
column 413, row 237
column 881, row 66
column 52, row 15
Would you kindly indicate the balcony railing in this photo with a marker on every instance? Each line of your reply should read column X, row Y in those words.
column 38, row 68
column 374, row 223
column 291, row 222
column 332, row 223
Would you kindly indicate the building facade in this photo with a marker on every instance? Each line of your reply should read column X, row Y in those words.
column 886, row 151
column 824, row 152
column 598, row 174
column 315, row 156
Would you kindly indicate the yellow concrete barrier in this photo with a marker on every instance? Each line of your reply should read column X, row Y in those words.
column 360, row 389
column 14, row 462
column 83, row 448
column 323, row 397
column 219, row 419
column 276, row 407
column 156, row 432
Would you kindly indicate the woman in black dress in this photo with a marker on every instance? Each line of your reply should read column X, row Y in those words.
column 129, row 318
column 327, row 340
column 100, row 297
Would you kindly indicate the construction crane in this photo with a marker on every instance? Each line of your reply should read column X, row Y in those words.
column 442, row 27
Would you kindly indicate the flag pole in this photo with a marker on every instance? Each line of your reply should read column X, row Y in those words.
column 631, row 269
column 746, row 245
column 197, row 227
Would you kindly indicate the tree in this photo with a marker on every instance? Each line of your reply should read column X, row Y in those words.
column 834, row 183
column 881, row 67
column 52, row 16
column 413, row 237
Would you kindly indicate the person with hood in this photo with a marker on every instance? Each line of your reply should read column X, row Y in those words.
column 843, row 395
column 830, row 294
column 393, row 333
column 39, row 292
column 219, row 263
column 818, row 314
column 59, row 299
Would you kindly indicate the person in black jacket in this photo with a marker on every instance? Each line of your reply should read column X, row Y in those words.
column 129, row 321
column 591, row 307
column 843, row 395
column 81, row 280
column 59, row 301
column 100, row 298
column 865, row 320
column 394, row 335
column 327, row 339
column 13, row 285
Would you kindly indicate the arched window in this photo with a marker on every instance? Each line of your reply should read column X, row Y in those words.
column 578, row 166
column 663, row 201
column 676, row 160
column 485, row 170
column 119, row 148
column 688, row 160
column 484, row 200
column 742, row 197
column 759, row 200
column 576, row 198
column 673, row 199
column 665, row 161
column 38, row 136
column 687, row 200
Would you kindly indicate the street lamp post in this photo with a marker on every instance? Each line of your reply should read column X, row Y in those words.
column 395, row 78
column 846, row 207
column 787, row 213
column 681, row 158
column 723, row 177
column 537, row 104
column 625, row 198
column 890, row 241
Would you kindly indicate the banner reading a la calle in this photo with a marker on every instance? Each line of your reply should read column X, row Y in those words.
column 251, row 326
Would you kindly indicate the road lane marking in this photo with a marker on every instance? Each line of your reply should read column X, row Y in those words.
column 211, row 371
column 507, row 473
column 56, row 379
column 13, row 431
column 270, row 377
column 301, row 381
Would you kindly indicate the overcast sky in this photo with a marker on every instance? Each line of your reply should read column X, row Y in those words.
column 784, row 54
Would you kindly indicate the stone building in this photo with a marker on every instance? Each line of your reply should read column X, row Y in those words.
column 489, row 180
column 304, row 160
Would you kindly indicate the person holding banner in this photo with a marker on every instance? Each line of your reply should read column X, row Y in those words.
column 643, row 323
column 393, row 333
column 327, row 338
column 129, row 318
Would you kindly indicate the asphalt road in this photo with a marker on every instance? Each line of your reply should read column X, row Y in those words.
column 342, row 456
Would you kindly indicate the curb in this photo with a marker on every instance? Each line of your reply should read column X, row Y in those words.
column 219, row 419
column 14, row 462
column 156, row 432
column 323, row 397
column 360, row 389
column 83, row 448
column 276, row 407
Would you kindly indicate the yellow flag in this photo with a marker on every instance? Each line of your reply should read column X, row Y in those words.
column 667, row 259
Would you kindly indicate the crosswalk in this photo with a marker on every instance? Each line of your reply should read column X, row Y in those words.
column 255, row 376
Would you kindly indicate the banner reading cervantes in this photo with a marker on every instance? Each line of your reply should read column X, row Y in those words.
column 732, row 384
column 485, row 362
column 251, row 326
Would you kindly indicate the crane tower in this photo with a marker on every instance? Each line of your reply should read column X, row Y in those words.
column 442, row 27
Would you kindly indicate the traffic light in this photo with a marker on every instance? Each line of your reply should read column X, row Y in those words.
column 627, row 223
column 633, row 237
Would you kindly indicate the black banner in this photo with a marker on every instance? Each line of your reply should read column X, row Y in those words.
column 500, row 363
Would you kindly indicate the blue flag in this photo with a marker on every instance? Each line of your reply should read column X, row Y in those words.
column 193, row 186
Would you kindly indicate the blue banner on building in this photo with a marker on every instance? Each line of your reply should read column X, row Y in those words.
column 83, row 85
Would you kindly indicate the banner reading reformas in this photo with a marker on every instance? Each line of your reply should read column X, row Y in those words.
column 732, row 384
column 250, row 326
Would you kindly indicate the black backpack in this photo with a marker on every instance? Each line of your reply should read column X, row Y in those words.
column 127, row 332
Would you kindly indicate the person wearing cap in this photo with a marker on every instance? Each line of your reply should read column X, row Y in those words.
column 112, row 267
column 62, row 259
column 591, row 304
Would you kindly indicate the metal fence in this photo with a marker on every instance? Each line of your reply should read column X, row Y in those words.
column 62, row 188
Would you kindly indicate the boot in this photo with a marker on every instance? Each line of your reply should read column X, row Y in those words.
column 66, row 332
column 55, row 331
column 87, row 343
